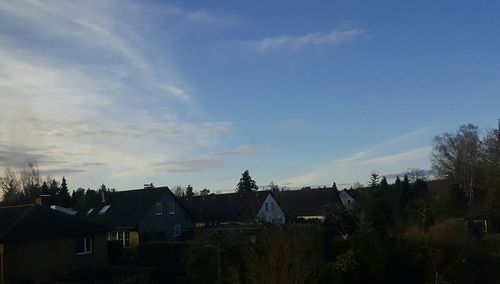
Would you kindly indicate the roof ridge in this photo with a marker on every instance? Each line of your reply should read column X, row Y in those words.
column 20, row 205
column 19, row 219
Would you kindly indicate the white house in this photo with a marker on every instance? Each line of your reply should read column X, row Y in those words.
column 271, row 212
column 346, row 199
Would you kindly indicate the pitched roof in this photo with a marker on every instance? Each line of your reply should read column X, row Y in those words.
column 36, row 222
column 125, row 209
column 307, row 202
column 228, row 207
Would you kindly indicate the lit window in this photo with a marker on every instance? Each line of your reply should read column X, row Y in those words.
column 172, row 207
column 124, row 237
column 83, row 245
column 104, row 209
column 159, row 208
column 177, row 230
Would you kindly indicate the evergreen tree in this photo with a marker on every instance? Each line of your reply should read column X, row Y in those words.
column 53, row 188
column 78, row 198
column 397, row 184
column 92, row 199
column 205, row 191
column 45, row 188
column 63, row 198
column 404, row 195
column 384, row 185
column 247, row 184
column 189, row 191
column 374, row 177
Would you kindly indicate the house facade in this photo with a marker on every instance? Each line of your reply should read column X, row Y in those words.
column 271, row 212
column 234, row 209
column 39, row 244
column 142, row 215
column 308, row 204
column 346, row 199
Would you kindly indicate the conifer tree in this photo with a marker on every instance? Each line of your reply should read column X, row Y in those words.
column 247, row 184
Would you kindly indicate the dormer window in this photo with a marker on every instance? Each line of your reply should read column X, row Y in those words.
column 159, row 208
column 104, row 209
column 172, row 208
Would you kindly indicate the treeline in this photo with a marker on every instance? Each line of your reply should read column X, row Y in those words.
column 23, row 185
column 470, row 161
column 413, row 230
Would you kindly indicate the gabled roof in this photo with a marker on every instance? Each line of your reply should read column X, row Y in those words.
column 307, row 202
column 28, row 222
column 125, row 209
column 228, row 207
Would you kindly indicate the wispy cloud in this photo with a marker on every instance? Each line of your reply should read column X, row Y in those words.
column 383, row 157
column 218, row 20
column 297, row 42
column 208, row 161
column 85, row 89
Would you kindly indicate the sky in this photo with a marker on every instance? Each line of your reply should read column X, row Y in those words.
column 302, row 93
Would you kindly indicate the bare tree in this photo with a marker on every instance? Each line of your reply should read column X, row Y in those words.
column 456, row 157
column 10, row 185
column 491, row 157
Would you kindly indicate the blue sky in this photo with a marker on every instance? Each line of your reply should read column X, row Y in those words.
column 194, row 92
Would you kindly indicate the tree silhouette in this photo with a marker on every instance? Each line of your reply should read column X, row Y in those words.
column 334, row 186
column 63, row 197
column 189, row 191
column 383, row 184
column 246, row 184
column 404, row 195
column 374, row 177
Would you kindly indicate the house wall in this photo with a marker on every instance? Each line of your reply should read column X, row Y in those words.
column 42, row 260
column 161, row 227
column 346, row 199
column 271, row 211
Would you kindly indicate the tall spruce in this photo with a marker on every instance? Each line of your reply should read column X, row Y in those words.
column 63, row 196
column 189, row 191
column 246, row 184
column 374, row 177
column 384, row 185
column 404, row 195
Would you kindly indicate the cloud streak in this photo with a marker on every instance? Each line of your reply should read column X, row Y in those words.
column 383, row 157
column 334, row 37
column 86, row 90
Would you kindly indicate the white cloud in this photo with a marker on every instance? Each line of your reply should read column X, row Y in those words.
column 299, row 41
column 83, row 91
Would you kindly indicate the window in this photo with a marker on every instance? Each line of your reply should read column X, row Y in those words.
column 83, row 245
column 177, row 230
column 172, row 207
column 104, row 209
column 267, row 206
column 272, row 206
column 159, row 208
column 124, row 237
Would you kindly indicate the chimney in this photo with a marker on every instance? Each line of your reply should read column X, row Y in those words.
column 103, row 196
column 43, row 200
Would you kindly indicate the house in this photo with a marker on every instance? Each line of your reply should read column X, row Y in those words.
column 234, row 208
column 346, row 199
column 307, row 204
column 39, row 244
column 142, row 215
